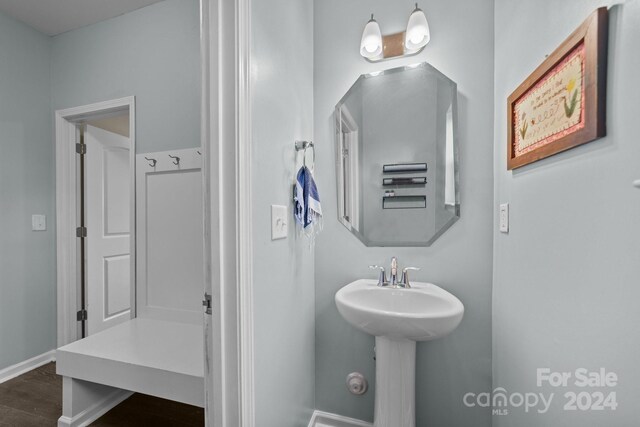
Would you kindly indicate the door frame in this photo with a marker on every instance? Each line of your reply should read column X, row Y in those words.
column 67, row 276
column 347, row 127
column 226, row 142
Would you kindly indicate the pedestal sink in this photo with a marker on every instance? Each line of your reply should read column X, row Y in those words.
column 398, row 317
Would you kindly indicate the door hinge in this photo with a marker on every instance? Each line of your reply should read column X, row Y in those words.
column 81, row 148
column 81, row 232
column 207, row 303
column 81, row 315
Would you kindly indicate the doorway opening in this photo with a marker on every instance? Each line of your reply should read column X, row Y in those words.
column 95, row 195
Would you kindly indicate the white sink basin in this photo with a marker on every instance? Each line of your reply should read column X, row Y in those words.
column 422, row 313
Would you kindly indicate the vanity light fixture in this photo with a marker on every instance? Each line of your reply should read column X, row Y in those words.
column 371, row 43
column 376, row 47
column 417, row 35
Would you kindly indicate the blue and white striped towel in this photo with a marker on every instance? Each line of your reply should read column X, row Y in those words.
column 307, row 209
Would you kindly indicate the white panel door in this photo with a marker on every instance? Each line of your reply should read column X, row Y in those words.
column 108, row 181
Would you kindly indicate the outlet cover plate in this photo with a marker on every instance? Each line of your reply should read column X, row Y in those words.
column 38, row 222
column 504, row 218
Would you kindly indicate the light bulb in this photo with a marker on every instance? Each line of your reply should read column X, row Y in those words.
column 418, row 34
column 416, row 38
column 371, row 43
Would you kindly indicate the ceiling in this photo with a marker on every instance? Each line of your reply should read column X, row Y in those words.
column 54, row 17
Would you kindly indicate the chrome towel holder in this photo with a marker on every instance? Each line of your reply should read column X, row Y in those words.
column 303, row 146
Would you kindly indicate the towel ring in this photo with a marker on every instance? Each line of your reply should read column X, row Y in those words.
column 302, row 146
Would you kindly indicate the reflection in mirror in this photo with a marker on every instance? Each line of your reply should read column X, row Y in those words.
column 396, row 156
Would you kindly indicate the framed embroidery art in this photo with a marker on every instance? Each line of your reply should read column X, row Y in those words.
column 562, row 103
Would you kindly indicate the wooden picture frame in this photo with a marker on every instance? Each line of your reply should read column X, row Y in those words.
column 562, row 103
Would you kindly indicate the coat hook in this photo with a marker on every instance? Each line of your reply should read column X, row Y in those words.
column 177, row 159
column 152, row 162
column 198, row 151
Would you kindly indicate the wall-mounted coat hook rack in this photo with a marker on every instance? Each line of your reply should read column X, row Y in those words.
column 176, row 159
column 152, row 162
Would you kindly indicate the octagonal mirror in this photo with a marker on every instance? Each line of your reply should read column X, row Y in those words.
column 397, row 157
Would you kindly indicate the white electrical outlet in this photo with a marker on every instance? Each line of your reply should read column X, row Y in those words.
column 279, row 222
column 504, row 218
column 38, row 222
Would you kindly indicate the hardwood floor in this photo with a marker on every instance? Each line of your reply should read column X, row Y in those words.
column 35, row 399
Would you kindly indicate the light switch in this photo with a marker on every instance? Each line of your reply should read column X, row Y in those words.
column 279, row 220
column 504, row 218
column 38, row 222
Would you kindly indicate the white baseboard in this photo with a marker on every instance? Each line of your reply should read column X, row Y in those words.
column 94, row 412
column 325, row 419
column 28, row 365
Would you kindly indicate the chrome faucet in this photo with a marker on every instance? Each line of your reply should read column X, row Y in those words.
column 393, row 278
column 393, row 275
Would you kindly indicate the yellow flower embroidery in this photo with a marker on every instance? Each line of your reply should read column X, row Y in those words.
column 570, row 107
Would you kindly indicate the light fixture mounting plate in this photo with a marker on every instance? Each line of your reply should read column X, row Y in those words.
column 393, row 47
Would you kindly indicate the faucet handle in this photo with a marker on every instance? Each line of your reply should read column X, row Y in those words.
column 382, row 278
column 405, row 276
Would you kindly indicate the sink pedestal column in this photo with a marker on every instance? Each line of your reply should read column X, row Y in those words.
column 395, row 383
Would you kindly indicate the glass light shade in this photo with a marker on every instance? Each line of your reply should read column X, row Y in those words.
column 418, row 34
column 371, row 43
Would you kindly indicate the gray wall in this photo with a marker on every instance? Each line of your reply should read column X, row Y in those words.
column 27, row 271
column 282, row 112
column 460, row 261
column 566, row 289
column 152, row 53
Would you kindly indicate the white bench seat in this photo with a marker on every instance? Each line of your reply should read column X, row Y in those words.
column 155, row 357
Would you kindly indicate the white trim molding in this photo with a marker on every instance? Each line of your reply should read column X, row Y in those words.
column 208, row 141
column 226, row 142
column 90, row 402
column 91, row 414
column 18, row 369
column 67, row 209
column 228, row 273
column 326, row 419
column 245, row 214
